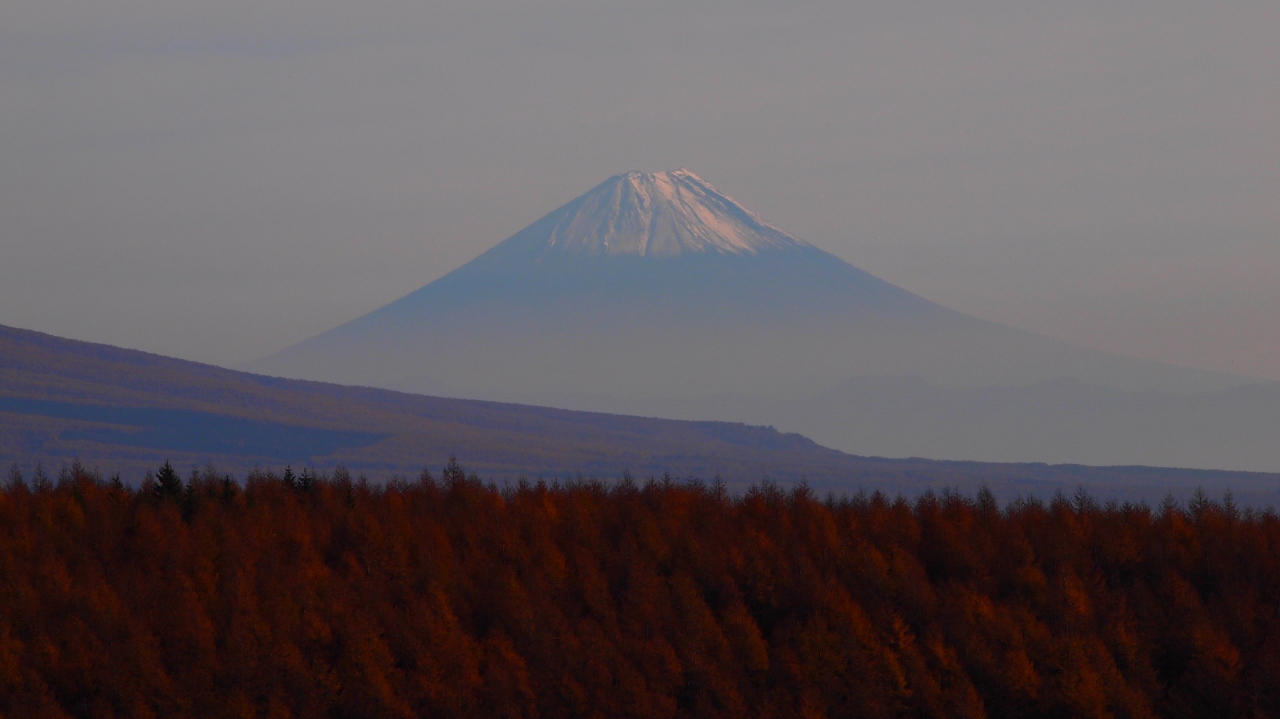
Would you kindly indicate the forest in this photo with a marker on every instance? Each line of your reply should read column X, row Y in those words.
column 283, row 595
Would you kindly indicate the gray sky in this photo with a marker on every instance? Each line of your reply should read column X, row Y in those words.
column 218, row 180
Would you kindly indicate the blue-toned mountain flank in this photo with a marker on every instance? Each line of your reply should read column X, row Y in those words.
column 655, row 293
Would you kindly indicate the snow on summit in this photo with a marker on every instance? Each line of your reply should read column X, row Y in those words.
column 660, row 214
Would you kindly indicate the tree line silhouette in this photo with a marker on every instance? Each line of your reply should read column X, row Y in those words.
column 325, row 596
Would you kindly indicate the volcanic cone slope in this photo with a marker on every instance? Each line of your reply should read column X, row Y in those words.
column 658, row 285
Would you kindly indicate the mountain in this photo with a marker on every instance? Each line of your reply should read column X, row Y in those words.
column 128, row 411
column 63, row 400
column 656, row 293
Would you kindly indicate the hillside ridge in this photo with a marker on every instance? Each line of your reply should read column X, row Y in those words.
column 63, row 401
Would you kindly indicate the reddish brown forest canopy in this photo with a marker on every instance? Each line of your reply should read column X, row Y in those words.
column 448, row 598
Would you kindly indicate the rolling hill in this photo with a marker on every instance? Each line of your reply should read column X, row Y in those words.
column 121, row 410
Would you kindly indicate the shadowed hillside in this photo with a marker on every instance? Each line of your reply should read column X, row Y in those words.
column 120, row 409
column 127, row 411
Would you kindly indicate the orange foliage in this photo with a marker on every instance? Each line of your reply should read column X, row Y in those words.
column 324, row 597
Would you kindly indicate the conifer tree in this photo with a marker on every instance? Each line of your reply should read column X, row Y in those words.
column 453, row 473
column 168, row 483
column 188, row 496
column 15, row 478
column 229, row 489
column 40, row 480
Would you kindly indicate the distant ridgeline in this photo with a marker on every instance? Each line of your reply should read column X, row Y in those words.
column 441, row 597
column 63, row 401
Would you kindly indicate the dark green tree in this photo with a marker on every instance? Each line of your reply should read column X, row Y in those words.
column 168, row 483
column 229, row 490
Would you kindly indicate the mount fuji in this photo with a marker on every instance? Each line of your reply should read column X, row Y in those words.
column 654, row 293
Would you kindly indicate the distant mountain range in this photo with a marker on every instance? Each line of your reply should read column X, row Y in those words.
column 657, row 294
column 120, row 410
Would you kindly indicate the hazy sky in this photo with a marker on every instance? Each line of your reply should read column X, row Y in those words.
column 218, row 180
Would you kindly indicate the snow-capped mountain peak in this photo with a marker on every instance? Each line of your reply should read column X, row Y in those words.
column 660, row 214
